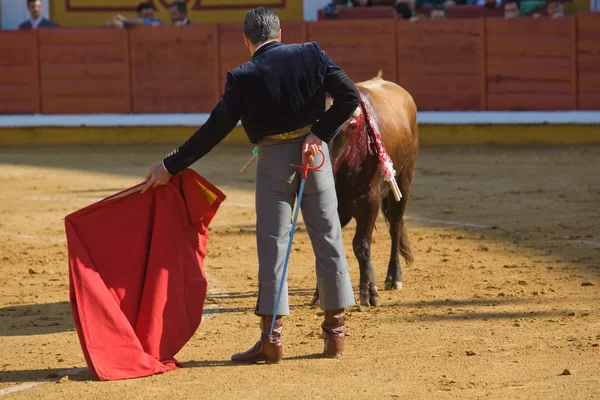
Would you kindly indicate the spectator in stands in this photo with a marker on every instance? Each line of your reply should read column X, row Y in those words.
column 511, row 9
column 438, row 12
column 486, row 3
column 178, row 12
column 403, row 10
column 555, row 8
column 35, row 11
column 145, row 16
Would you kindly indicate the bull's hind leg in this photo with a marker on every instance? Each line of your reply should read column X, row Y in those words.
column 365, row 223
column 394, row 213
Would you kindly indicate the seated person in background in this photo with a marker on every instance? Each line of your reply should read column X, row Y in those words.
column 145, row 16
column 438, row 12
column 333, row 8
column 555, row 8
column 178, row 13
column 35, row 11
column 486, row 3
column 403, row 10
column 511, row 9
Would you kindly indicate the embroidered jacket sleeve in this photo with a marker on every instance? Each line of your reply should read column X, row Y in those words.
column 223, row 118
column 345, row 99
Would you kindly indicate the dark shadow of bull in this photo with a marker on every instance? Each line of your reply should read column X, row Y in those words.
column 359, row 182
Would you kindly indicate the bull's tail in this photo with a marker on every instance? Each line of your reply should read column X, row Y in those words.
column 404, row 246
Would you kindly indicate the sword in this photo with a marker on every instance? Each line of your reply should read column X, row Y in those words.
column 305, row 168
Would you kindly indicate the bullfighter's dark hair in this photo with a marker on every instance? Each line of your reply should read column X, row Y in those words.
column 261, row 24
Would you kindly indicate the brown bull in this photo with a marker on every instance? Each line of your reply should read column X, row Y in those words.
column 359, row 182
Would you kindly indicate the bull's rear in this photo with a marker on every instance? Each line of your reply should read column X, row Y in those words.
column 359, row 181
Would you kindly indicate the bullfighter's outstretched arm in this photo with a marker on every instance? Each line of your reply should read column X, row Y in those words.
column 223, row 118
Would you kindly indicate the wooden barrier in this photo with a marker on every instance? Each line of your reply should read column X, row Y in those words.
column 174, row 69
column 473, row 11
column 361, row 48
column 470, row 64
column 84, row 70
column 531, row 64
column 233, row 52
column 588, row 61
column 441, row 63
column 19, row 77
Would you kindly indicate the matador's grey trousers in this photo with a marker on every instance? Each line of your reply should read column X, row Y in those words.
column 277, row 185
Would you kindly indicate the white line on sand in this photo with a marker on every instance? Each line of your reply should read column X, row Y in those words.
column 23, row 386
column 33, row 237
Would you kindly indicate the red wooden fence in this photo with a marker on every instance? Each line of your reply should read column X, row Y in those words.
column 531, row 66
column 441, row 65
column 174, row 69
column 588, row 61
column 470, row 64
column 84, row 70
column 19, row 76
column 360, row 48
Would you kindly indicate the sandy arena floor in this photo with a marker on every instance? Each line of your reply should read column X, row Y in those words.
column 503, row 297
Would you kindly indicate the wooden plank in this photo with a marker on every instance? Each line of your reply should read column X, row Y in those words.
column 529, row 101
column 589, row 81
column 526, row 45
column 84, row 105
column 116, row 71
column 574, row 61
column 589, row 101
column 437, row 101
column 16, row 56
column 20, row 92
column 588, row 42
column 360, row 48
column 166, row 76
column 82, row 36
column 349, row 29
column 293, row 32
column 539, row 68
column 530, row 26
column 82, row 53
column 588, row 22
column 11, row 106
column 441, row 28
column 17, row 74
column 199, row 34
column 232, row 50
column 532, row 86
column 483, row 67
column 84, row 87
column 434, row 68
column 588, row 62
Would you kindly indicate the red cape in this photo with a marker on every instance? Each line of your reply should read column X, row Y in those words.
column 136, row 282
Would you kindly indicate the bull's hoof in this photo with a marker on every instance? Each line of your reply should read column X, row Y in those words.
column 365, row 300
column 370, row 300
column 391, row 285
column 375, row 301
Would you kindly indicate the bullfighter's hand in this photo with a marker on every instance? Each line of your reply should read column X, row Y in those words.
column 310, row 148
column 156, row 177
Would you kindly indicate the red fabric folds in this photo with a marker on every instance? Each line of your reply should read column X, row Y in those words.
column 136, row 282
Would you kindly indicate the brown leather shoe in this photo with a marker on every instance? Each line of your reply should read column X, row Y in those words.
column 333, row 332
column 268, row 348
